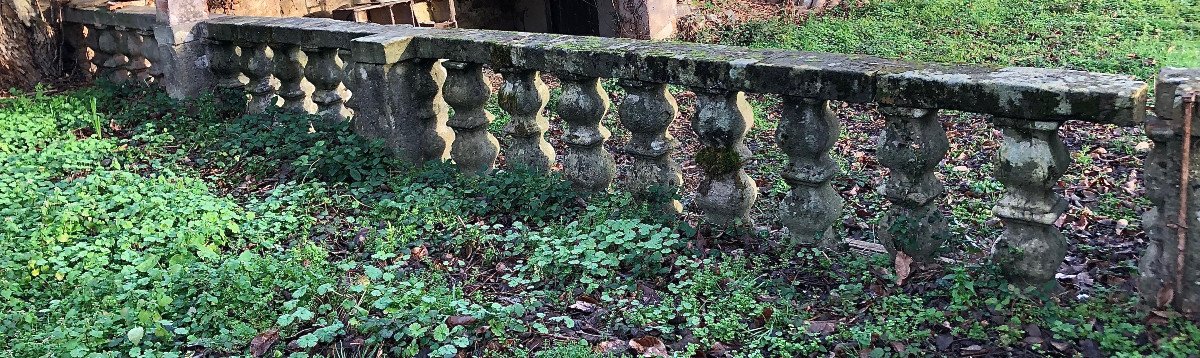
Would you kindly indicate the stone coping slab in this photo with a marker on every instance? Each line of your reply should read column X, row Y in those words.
column 132, row 17
column 1020, row 92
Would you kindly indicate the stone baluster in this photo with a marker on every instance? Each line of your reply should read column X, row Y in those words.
column 81, row 40
column 582, row 106
column 346, row 60
column 99, row 57
column 1032, row 158
column 112, row 66
column 324, row 71
column 474, row 149
column 149, row 51
column 224, row 64
column 647, row 112
column 419, row 111
column 912, row 145
column 139, row 65
column 807, row 132
column 257, row 66
column 289, row 69
column 722, row 120
column 524, row 96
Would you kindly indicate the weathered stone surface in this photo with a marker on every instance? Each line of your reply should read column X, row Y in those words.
column 1169, row 90
column 647, row 112
column 808, row 131
column 1158, row 266
column 524, row 96
column 134, row 17
column 726, row 193
column 224, row 63
column 474, row 149
column 324, row 71
column 582, row 105
column 1032, row 159
column 419, row 111
column 172, row 12
column 257, row 66
column 289, row 69
column 911, row 146
column 1020, row 92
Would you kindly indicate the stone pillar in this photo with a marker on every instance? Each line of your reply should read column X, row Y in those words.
column 419, row 111
column 647, row 112
column 111, row 43
column 722, row 120
column 324, row 71
column 582, row 106
column 645, row 19
column 96, row 34
column 524, row 96
column 181, row 48
column 224, row 64
column 1159, row 265
column 912, row 145
column 149, row 50
column 1032, row 159
column 474, row 150
column 257, row 65
column 289, row 69
column 807, row 132
column 139, row 65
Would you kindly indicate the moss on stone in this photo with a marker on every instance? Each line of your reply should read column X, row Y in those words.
column 717, row 161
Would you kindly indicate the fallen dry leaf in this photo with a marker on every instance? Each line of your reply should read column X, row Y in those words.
column 903, row 267
column 263, row 342
column 460, row 320
column 613, row 347
column 649, row 346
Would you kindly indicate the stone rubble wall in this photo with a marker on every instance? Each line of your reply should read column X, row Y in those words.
column 398, row 83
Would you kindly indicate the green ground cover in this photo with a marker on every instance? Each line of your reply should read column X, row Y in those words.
column 1115, row 36
column 133, row 225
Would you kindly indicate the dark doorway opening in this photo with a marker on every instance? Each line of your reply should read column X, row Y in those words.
column 574, row 17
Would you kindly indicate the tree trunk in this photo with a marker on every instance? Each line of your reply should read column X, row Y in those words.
column 29, row 51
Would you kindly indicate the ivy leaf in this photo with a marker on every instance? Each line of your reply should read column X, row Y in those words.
column 307, row 341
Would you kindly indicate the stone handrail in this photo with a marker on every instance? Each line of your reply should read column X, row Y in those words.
column 400, row 82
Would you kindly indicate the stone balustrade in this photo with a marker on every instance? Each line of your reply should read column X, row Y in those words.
column 117, row 46
column 400, row 84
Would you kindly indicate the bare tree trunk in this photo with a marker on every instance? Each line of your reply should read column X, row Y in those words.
column 29, row 48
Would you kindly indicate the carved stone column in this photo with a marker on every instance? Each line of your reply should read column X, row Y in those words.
column 1032, row 159
column 82, row 39
column 582, row 106
column 808, row 131
column 139, row 65
column 110, row 42
column 419, row 111
column 149, row 51
column 727, row 192
column 324, row 71
column 474, row 149
column 912, row 144
column 257, row 66
column 647, row 112
column 524, row 96
column 289, row 69
column 224, row 64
